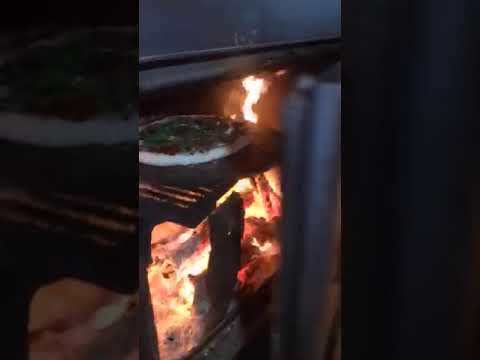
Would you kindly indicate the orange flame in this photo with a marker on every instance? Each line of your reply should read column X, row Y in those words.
column 241, row 186
column 254, row 87
column 257, row 208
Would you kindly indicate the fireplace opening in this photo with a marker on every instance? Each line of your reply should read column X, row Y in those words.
column 212, row 239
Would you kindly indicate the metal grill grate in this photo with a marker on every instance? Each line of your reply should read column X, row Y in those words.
column 183, row 205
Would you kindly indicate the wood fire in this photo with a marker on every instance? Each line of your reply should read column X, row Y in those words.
column 178, row 277
column 182, row 255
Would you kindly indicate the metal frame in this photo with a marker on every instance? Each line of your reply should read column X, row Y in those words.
column 191, row 57
column 217, row 64
column 310, row 181
column 326, row 130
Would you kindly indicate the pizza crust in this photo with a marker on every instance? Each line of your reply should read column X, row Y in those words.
column 183, row 159
column 55, row 132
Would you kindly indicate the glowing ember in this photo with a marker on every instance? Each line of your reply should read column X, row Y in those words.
column 261, row 195
column 185, row 236
column 257, row 209
column 181, row 254
column 242, row 275
column 281, row 72
column 241, row 187
column 187, row 292
column 254, row 87
column 194, row 266
column 273, row 177
column 197, row 264
column 263, row 248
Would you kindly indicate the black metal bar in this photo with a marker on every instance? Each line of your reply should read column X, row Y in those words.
column 190, row 57
column 226, row 226
column 210, row 72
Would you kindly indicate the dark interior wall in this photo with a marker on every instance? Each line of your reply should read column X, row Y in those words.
column 73, row 13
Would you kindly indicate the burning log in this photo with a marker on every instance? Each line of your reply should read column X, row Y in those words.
column 181, row 256
column 261, row 229
column 258, row 236
column 254, row 274
column 264, row 190
column 273, row 177
column 201, row 303
column 197, row 273
column 179, row 242
column 271, row 196
column 226, row 230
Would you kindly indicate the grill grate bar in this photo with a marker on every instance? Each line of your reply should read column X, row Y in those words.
column 185, row 205
column 195, row 192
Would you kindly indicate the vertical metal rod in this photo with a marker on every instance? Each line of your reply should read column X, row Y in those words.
column 310, row 187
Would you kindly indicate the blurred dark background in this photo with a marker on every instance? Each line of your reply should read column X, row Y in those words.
column 64, row 14
column 23, row 270
column 23, row 23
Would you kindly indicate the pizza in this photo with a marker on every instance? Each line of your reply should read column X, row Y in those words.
column 72, row 89
column 192, row 139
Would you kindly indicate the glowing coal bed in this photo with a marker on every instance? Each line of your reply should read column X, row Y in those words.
column 181, row 303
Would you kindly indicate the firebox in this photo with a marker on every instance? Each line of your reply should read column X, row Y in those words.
column 218, row 239
column 211, row 244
